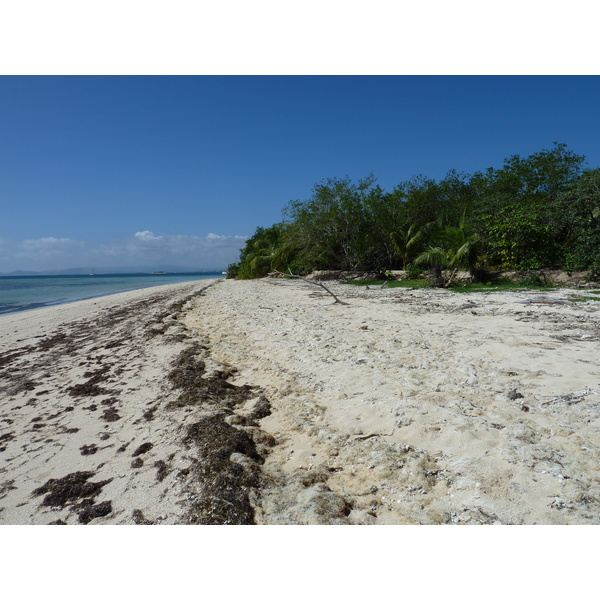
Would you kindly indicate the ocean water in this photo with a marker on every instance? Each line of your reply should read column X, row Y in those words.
column 28, row 293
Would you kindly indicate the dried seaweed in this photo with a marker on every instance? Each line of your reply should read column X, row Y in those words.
column 224, row 485
column 93, row 511
column 143, row 449
column 70, row 488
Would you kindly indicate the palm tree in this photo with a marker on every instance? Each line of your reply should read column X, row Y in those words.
column 464, row 243
column 406, row 242
column 262, row 253
column 450, row 247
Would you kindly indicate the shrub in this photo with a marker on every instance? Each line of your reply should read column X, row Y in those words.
column 413, row 271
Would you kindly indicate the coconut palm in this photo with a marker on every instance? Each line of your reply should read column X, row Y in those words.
column 406, row 243
column 262, row 253
column 450, row 247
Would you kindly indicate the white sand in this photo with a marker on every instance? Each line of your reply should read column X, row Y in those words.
column 394, row 409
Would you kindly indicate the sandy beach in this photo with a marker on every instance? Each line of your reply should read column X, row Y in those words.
column 263, row 401
column 85, row 435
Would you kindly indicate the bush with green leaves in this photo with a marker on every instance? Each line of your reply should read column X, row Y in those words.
column 579, row 207
column 413, row 271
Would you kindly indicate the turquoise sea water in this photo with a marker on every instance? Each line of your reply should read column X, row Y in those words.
column 27, row 293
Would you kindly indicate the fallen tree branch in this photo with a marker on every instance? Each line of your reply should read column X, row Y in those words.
column 321, row 285
column 372, row 435
column 451, row 278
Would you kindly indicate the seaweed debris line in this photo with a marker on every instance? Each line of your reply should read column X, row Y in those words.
column 113, row 412
column 222, row 479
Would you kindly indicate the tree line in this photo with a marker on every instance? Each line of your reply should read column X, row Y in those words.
column 541, row 211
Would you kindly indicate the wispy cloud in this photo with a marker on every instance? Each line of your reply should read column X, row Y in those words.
column 47, row 250
column 140, row 249
column 49, row 244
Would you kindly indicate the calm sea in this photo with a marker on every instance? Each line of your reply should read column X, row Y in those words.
column 27, row 293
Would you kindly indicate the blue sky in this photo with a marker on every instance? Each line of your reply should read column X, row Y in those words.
column 150, row 170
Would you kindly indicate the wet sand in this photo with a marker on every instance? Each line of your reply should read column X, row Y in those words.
column 264, row 402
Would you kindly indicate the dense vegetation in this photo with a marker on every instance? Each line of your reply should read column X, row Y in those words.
column 542, row 211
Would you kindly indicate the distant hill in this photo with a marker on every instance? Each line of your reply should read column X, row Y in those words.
column 113, row 271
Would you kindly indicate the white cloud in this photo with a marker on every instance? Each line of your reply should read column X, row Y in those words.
column 147, row 236
column 214, row 236
column 144, row 246
column 141, row 249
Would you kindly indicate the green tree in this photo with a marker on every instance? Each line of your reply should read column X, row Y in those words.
column 425, row 199
column 579, row 210
column 421, row 198
column 334, row 228
column 520, row 237
column 536, row 211
column 539, row 178
column 514, row 208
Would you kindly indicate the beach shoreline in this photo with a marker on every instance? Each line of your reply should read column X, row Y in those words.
column 90, row 429
column 401, row 407
column 26, row 293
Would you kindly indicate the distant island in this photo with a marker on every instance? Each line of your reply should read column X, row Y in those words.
column 150, row 270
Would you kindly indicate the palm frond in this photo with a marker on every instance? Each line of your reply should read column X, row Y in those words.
column 435, row 257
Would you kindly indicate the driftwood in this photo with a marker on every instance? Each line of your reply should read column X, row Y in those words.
column 368, row 287
column 321, row 285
